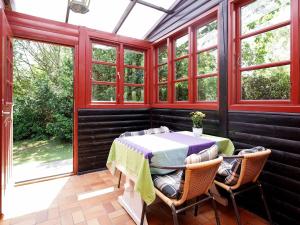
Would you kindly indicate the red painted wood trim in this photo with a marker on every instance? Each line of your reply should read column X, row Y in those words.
column 207, row 48
column 75, row 108
column 265, row 29
column 266, row 65
column 136, row 67
column 207, row 75
column 187, row 105
column 103, row 63
column 170, row 70
column 104, row 83
column 128, row 105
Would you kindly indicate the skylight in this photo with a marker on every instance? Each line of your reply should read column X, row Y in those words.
column 103, row 15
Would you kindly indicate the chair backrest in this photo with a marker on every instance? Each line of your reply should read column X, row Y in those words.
column 252, row 166
column 198, row 178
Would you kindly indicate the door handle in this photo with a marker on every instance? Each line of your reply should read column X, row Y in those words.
column 5, row 113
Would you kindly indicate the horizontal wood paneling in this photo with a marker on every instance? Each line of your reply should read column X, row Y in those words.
column 281, row 175
column 97, row 128
column 179, row 119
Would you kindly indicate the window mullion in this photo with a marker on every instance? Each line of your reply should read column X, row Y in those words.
column 121, row 67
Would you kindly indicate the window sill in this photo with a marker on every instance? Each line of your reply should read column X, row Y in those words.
column 117, row 106
column 208, row 106
column 266, row 108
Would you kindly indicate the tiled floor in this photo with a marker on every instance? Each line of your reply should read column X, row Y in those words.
column 91, row 199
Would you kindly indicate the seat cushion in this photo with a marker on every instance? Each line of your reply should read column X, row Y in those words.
column 159, row 130
column 229, row 170
column 205, row 155
column 133, row 133
column 169, row 184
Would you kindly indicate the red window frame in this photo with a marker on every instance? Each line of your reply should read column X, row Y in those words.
column 176, row 59
column 190, row 29
column 120, row 67
column 206, row 49
column 234, row 68
column 156, row 73
column 123, row 84
column 116, row 64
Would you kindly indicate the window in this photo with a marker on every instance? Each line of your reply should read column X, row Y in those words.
column 264, row 53
column 162, row 71
column 134, row 73
column 117, row 78
column 207, row 62
column 104, row 73
column 181, row 64
column 187, row 65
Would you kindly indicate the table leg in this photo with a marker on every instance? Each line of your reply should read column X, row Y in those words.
column 132, row 202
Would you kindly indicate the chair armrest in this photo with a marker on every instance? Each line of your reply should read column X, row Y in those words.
column 168, row 167
column 233, row 157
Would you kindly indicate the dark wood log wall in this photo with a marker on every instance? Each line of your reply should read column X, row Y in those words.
column 179, row 119
column 281, row 176
column 97, row 128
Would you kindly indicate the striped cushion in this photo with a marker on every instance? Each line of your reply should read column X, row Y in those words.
column 204, row 155
column 229, row 170
column 133, row 133
column 159, row 130
column 170, row 184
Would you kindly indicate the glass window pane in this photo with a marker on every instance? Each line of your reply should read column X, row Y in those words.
column 182, row 46
column 182, row 91
column 207, row 62
column 103, row 72
column 207, row 89
column 162, row 54
column 134, row 76
column 207, row 35
column 133, row 94
column 135, row 58
column 163, row 73
column 272, row 46
column 162, row 93
column 104, row 53
column 266, row 84
column 261, row 14
column 181, row 68
column 105, row 93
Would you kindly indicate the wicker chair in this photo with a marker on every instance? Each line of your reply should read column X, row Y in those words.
column 198, row 179
column 251, row 167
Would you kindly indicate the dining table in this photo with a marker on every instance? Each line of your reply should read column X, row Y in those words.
column 133, row 156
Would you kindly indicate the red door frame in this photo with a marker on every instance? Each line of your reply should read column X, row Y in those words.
column 48, row 31
column 5, row 105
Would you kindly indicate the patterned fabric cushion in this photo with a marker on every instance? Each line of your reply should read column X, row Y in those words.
column 170, row 184
column 229, row 170
column 159, row 130
column 133, row 133
column 204, row 155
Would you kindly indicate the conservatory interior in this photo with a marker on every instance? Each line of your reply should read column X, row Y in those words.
column 182, row 111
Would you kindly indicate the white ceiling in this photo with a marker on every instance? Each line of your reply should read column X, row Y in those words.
column 103, row 14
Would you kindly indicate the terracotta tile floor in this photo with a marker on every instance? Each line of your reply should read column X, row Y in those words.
column 91, row 199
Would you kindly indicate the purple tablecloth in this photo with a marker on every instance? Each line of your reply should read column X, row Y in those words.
column 194, row 144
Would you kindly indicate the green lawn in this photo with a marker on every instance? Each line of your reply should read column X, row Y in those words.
column 41, row 151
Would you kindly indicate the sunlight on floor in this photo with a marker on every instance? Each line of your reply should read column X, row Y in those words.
column 43, row 198
column 95, row 193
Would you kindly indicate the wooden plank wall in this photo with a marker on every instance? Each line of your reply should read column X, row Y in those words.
column 97, row 128
column 179, row 119
column 281, row 176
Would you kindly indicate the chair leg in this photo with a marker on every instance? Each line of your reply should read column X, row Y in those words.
column 265, row 202
column 216, row 211
column 119, row 182
column 196, row 207
column 175, row 218
column 143, row 213
column 236, row 210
